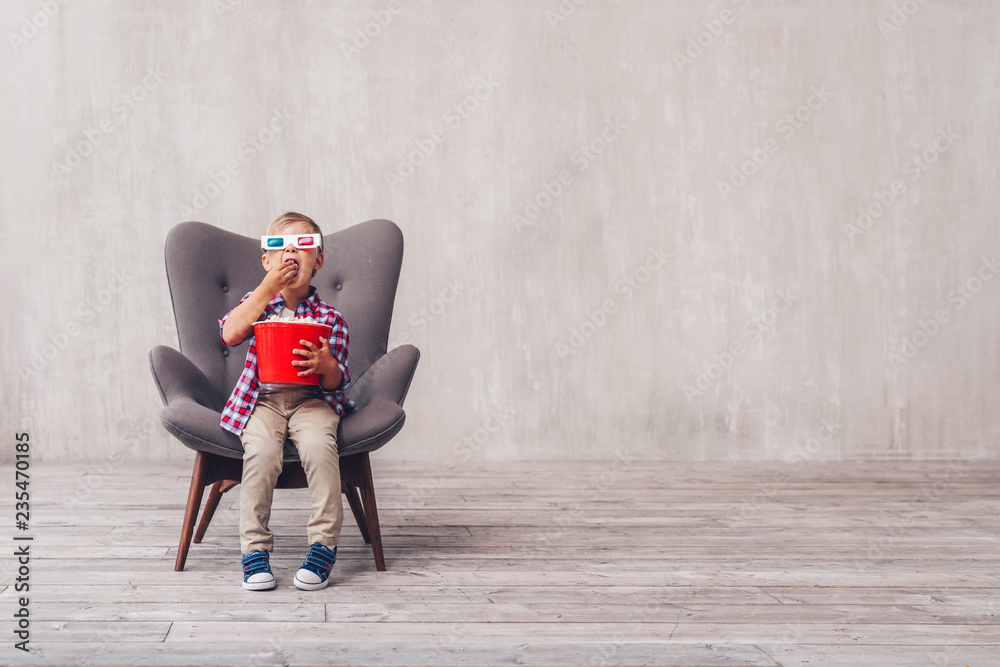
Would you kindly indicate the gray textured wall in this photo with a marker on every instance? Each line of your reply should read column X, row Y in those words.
column 632, row 227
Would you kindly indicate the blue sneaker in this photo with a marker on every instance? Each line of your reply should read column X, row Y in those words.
column 315, row 571
column 257, row 571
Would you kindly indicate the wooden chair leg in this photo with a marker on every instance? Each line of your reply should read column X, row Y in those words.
column 371, row 511
column 191, row 510
column 214, row 496
column 351, row 492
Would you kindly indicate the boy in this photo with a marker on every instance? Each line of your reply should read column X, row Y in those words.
column 262, row 415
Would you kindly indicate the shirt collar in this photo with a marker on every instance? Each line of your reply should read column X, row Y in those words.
column 311, row 301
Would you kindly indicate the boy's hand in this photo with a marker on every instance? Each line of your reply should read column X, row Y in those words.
column 281, row 276
column 239, row 322
column 318, row 361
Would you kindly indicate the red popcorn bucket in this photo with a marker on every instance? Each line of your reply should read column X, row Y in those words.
column 275, row 342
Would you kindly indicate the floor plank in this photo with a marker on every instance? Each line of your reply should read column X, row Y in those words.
column 626, row 629
column 897, row 655
column 416, row 594
column 275, row 651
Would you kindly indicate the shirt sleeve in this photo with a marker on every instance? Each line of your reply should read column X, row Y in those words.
column 339, row 339
column 222, row 322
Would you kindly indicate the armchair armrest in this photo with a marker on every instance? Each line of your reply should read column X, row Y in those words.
column 176, row 377
column 388, row 378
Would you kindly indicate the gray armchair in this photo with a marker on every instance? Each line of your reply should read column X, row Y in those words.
column 208, row 271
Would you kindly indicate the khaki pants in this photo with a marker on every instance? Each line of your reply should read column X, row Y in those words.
column 311, row 424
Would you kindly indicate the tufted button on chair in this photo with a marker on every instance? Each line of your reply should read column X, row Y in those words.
column 208, row 271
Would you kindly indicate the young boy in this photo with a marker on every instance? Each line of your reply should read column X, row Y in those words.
column 262, row 415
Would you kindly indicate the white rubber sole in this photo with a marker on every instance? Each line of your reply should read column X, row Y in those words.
column 259, row 585
column 301, row 585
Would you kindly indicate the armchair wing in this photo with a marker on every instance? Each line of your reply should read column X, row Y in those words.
column 379, row 395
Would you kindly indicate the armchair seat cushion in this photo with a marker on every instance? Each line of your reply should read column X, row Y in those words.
column 370, row 427
column 198, row 427
column 378, row 392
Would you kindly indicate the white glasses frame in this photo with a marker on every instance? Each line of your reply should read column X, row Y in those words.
column 315, row 241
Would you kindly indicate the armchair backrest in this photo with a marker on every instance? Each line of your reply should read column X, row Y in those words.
column 209, row 270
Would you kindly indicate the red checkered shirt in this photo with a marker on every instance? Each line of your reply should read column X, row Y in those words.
column 241, row 402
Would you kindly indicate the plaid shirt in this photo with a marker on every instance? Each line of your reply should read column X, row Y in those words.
column 241, row 402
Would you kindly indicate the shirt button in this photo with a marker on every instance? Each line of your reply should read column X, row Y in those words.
column 225, row 353
column 225, row 288
column 338, row 287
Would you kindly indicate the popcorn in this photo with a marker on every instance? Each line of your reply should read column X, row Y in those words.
column 278, row 318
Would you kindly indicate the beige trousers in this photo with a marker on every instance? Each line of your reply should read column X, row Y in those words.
column 311, row 424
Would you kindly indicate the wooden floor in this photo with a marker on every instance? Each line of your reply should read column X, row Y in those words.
column 614, row 563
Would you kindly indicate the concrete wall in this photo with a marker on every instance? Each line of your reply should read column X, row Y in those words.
column 632, row 227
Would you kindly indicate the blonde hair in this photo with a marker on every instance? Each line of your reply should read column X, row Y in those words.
column 290, row 218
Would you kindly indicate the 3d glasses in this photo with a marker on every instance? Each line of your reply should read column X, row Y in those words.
column 300, row 241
